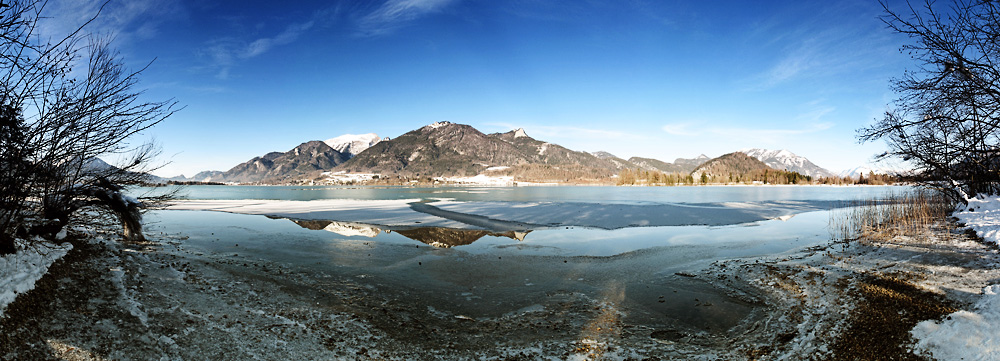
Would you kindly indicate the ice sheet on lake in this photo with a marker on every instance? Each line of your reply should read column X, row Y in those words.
column 391, row 213
column 614, row 216
column 506, row 216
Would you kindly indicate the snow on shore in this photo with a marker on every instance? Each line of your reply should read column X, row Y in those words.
column 19, row 271
column 965, row 335
column 983, row 216
column 973, row 334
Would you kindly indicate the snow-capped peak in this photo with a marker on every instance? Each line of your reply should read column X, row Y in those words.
column 353, row 143
column 785, row 160
column 436, row 125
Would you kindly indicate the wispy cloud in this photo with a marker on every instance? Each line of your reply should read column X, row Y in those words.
column 763, row 135
column 226, row 52
column 768, row 136
column 203, row 89
column 816, row 114
column 796, row 63
column 681, row 129
column 823, row 46
column 291, row 33
column 126, row 20
column 394, row 14
column 811, row 118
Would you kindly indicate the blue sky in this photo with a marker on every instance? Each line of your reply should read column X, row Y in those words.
column 661, row 79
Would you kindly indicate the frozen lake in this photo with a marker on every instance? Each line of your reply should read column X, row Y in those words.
column 597, row 194
column 489, row 254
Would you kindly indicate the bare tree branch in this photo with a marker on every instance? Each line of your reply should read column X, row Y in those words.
column 946, row 119
column 54, row 124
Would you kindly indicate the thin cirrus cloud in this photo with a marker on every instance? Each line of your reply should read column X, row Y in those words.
column 681, row 129
column 125, row 20
column 772, row 136
column 394, row 14
column 227, row 52
column 769, row 136
column 820, row 46
column 262, row 45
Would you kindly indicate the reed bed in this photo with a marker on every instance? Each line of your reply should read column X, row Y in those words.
column 900, row 214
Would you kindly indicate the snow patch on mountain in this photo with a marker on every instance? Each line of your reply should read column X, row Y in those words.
column 784, row 160
column 436, row 125
column 353, row 144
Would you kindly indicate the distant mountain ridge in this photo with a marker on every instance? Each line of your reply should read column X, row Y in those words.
column 785, row 160
column 446, row 149
column 732, row 164
column 680, row 165
column 449, row 149
column 618, row 162
column 305, row 158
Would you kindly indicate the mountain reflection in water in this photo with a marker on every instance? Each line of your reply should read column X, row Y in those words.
column 450, row 237
column 341, row 228
column 435, row 236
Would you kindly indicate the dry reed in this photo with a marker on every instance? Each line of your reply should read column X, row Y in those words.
column 879, row 219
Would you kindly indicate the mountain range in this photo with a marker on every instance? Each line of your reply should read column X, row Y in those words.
column 446, row 149
column 449, row 149
column 306, row 158
column 680, row 165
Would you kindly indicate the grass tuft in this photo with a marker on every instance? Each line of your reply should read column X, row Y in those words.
column 881, row 219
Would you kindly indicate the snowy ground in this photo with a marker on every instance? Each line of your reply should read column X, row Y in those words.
column 822, row 287
column 974, row 333
column 19, row 271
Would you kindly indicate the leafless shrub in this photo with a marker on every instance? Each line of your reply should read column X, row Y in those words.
column 56, row 121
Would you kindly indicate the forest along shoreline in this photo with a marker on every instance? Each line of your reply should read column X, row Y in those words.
column 155, row 299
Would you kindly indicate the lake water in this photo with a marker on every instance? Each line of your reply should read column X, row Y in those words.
column 624, row 195
column 643, row 272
